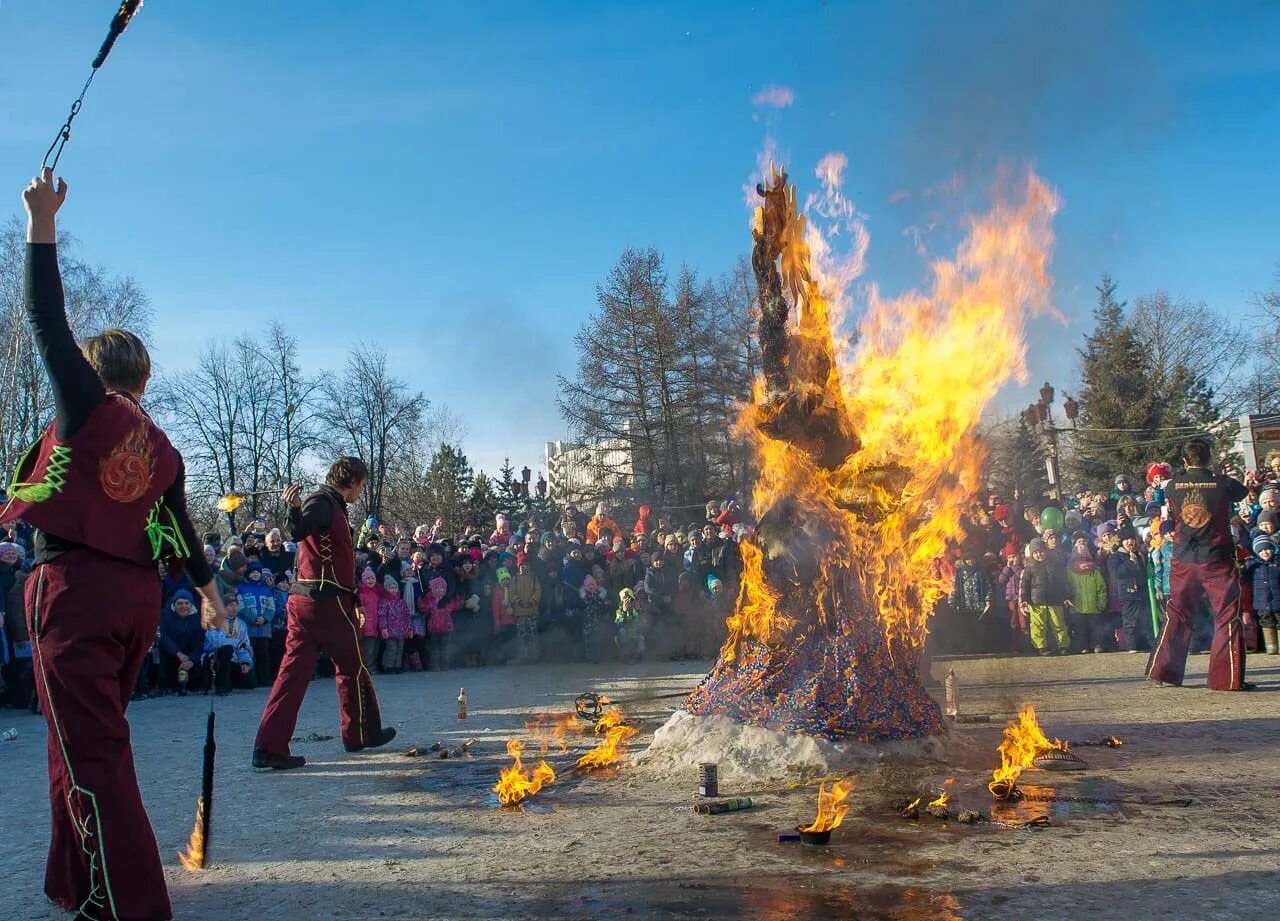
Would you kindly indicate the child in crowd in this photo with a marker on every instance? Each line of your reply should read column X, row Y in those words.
column 593, row 611
column 1265, row 573
column 394, row 624
column 279, row 621
column 690, row 616
column 718, row 609
column 438, row 607
column 369, row 598
column 630, row 629
column 526, row 597
column 229, row 651
column 258, row 608
column 1090, row 626
column 504, row 618
column 415, row 646
column 1043, row 596
column 1129, row 576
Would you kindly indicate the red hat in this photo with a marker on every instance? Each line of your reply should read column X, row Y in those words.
column 1000, row 513
column 1154, row 470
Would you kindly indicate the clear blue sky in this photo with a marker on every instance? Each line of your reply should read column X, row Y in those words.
column 450, row 180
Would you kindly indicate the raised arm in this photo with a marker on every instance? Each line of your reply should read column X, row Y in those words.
column 77, row 389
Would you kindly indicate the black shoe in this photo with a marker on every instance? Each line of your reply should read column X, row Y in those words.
column 265, row 761
column 388, row 733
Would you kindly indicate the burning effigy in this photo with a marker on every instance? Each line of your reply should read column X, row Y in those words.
column 868, row 458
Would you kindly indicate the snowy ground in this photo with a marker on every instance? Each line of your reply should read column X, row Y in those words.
column 386, row 836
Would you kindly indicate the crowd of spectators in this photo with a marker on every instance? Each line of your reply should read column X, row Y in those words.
column 1093, row 577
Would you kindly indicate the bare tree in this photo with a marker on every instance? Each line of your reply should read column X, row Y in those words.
column 367, row 411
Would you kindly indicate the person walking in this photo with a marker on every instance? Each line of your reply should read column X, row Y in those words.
column 106, row 491
column 1203, row 566
column 323, row 614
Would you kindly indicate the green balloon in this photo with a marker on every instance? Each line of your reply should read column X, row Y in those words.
column 1051, row 519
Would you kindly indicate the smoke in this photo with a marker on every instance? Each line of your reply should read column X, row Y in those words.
column 773, row 96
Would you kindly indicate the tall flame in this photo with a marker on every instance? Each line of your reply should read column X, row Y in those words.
column 832, row 807
column 516, row 783
column 1023, row 742
column 913, row 389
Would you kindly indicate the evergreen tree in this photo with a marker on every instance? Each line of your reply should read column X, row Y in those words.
column 449, row 485
column 483, row 503
column 507, row 489
column 1118, row 411
column 1016, row 462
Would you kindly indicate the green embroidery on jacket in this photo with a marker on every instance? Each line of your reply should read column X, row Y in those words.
column 161, row 534
column 55, row 476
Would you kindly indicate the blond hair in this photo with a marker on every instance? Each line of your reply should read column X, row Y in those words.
column 120, row 358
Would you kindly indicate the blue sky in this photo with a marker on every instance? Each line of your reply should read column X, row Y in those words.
column 450, row 180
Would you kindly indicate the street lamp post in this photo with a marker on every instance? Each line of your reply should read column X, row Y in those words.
column 1039, row 419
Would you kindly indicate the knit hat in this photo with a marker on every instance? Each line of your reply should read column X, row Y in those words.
column 504, row 576
column 1036, row 546
column 368, row 574
column 626, row 595
column 1270, row 515
column 11, row 547
column 1121, row 478
column 182, row 595
column 713, row 583
column 253, row 566
column 1128, row 532
column 1266, row 494
column 236, row 560
column 1164, row 471
column 390, row 581
column 371, row 523
column 1263, row 542
column 438, row 580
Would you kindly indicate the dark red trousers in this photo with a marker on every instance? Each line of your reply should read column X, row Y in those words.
column 1189, row 583
column 93, row 620
column 315, row 624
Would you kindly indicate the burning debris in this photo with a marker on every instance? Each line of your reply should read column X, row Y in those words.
column 612, row 749
column 554, row 727
column 516, row 783
column 867, row 462
column 939, row 808
column 832, row 809
column 1025, row 745
column 193, row 858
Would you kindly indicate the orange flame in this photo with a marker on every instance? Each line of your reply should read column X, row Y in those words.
column 515, row 783
column 913, row 389
column 230, row 502
column 832, row 807
column 193, row 857
column 944, row 798
column 613, row 747
column 1023, row 742
column 549, row 727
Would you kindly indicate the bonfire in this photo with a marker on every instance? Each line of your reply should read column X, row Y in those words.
column 868, row 459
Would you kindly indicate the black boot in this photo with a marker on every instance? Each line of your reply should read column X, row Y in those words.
column 265, row 761
column 388, row 733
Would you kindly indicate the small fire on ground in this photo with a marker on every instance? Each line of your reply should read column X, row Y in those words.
column 193, row 857
column 1024, row 741
column 554, row 727
column 831, row 806
column 517, row 783
column 612, row 749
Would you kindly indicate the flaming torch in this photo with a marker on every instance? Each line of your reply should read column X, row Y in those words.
column 832, row 809
column 119, row 22
column 197, row 853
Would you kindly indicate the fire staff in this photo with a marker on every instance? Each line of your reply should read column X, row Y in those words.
column 324, row 613
column 106, row 491
column 1203, row 567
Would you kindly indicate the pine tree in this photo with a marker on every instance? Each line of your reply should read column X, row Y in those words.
column 507, row 488
column 1016, row 462
column 449, row 484
column 1118, row 411
column 483, row 503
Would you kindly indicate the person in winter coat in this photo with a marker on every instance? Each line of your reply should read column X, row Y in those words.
column 1043, row 596
column 439, row 607
column 1265, row 572
column 526, row 598
column 182, row 645
column 502, row 649
column 690, row 610
column 394, row 624
column 970, row 602
column 19, row 675
column 258, row 609
column 1011, row 584
column 411, row 590
column 369, row 597
column 642, row 522
column 593, row 610
column 502, row 534
column 660, row 583
column 600, row 524
column 229, row 651
column 1090, row 626
column 1128, row 570
column 629, row 626
column 718, row 608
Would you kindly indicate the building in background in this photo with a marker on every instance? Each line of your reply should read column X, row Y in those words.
column 581, row 474
column 1259, row 436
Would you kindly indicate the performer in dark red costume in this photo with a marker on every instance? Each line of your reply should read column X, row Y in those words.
column 105, row 489
column 323, row 614
column 1203, row 567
